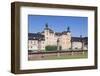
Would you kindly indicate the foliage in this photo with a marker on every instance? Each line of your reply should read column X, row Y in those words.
column 51, row 48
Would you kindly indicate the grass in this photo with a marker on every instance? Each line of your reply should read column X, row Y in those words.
column 68, row 57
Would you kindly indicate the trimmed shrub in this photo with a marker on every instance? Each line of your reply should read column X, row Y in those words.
column 51, row 48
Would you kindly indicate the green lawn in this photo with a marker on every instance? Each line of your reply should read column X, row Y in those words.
column 85, row 55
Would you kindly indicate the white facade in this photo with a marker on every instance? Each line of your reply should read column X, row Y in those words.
column 76, row 45
column 51, row 37
column 33, row 45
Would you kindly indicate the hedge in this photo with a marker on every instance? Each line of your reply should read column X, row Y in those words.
column 51, row 48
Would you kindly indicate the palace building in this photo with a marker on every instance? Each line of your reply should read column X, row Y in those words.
column 63, row 40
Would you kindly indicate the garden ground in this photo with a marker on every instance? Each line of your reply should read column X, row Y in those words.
column 53, row 56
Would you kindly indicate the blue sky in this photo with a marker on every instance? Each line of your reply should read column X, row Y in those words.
column 78, row 25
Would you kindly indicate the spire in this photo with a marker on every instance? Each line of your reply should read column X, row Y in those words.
column 68, row 29
column 80, row 36
column 46, row 25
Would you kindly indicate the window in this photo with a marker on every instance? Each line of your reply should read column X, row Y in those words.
column 33, row 37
